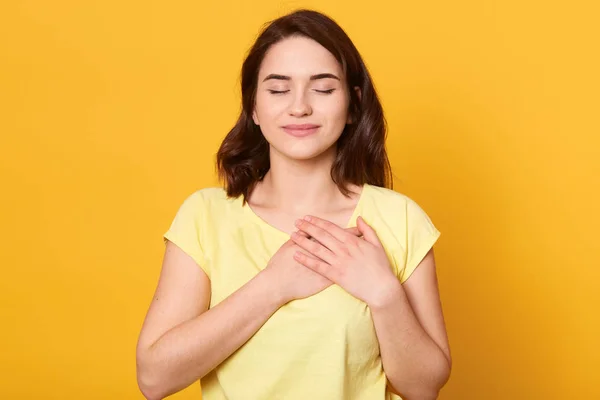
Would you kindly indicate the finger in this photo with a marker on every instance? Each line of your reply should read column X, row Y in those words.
column 322, row 235
column 342, row 235
column 306, row 235
column 354, row 231
column 319, row 266
column 314, row 247
column 368, row 233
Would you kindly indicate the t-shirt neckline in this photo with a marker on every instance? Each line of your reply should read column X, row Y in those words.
column 260, row 221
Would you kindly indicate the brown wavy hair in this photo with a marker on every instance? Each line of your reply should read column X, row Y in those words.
column 243, row 157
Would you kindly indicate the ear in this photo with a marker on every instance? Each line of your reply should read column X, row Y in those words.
column 255, row 118
column 358, row 94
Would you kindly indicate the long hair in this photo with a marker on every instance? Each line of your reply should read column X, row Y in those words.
column 243, row 157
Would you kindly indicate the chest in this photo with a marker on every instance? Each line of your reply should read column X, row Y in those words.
column 285, row 223
column 331, row 319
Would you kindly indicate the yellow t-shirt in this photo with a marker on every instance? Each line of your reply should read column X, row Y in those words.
column 321, row 347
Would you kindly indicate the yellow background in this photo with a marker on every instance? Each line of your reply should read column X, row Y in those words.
column 112, row 111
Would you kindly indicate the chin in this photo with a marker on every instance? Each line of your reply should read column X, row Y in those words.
column 302, row 149
column 302, row 153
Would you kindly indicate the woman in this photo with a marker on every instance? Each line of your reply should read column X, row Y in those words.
column 258, row 302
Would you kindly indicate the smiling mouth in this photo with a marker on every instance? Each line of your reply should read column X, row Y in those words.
column 301, row 130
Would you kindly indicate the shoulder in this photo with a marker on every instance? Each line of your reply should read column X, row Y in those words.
column 392, row 201
column 207, row 196
column 386, row 193
column 202, row 202
column 395, row 213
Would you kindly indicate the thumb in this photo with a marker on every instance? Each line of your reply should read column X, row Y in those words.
column 368, row 233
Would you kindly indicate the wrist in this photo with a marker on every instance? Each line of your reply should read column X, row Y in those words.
column 273, row 292
column 387, row 294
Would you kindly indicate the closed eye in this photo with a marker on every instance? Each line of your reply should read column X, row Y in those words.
column 328, row 91
column 278, row 91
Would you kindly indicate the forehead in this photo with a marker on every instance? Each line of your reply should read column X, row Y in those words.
column 298, row 57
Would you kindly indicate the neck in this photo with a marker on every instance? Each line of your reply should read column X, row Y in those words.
column 300, row 186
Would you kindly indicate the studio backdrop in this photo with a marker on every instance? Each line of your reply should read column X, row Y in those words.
column 112, row 111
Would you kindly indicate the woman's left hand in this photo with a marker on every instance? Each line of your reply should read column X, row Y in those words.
column 359, row 265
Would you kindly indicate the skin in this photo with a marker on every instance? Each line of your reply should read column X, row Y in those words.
column 286, row 94
column 299, row 181
column 182, row 339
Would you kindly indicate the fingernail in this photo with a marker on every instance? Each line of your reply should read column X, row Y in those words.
column 307, row 218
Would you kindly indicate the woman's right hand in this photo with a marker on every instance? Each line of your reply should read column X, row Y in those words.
column 291, row 279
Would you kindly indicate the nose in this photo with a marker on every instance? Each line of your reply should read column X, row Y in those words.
column 300, row 106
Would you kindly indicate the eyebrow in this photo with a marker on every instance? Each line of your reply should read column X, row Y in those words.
column 312, row 78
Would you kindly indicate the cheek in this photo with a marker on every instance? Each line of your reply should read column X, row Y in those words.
column 268, row 107
column 337, row 111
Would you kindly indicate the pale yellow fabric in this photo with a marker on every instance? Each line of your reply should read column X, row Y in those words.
column 322, row 347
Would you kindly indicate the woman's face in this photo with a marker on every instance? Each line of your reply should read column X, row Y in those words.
column 302, row 98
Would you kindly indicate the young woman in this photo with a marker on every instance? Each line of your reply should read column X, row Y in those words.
column 259, row 302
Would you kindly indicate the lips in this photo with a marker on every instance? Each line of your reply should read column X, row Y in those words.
column 301, row 130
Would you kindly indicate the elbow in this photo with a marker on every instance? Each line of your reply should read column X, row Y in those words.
column 149, row 388
column 427, row 390
column 417, row 393
column 441, row 374
column 445, row 370
column 148, row 383
column 425, row 396
column 149, row 394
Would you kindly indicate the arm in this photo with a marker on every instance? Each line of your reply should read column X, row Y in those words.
column 412, row 335
column 181, row 339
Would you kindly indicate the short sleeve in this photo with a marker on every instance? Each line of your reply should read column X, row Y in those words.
column 421, row 235
column 185, row 229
